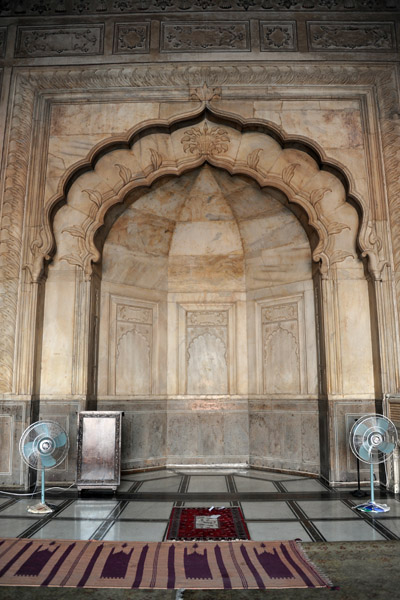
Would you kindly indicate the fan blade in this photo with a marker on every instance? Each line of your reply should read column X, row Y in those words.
column 60, row 440
column 386, row 447
column 28, row 448
column 47, row 461
column 42, row 428
column 382, row 423
column 364, row 453
column 360, row 429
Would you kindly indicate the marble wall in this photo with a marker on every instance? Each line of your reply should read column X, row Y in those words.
column 199, row 227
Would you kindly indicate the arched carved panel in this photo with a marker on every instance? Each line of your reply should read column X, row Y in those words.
column 236, row 147
column 281, row 359
column 207, row 369
column 133, row 361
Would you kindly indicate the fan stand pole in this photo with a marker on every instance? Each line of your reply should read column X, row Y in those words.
column 42, row 491
column 372, row 483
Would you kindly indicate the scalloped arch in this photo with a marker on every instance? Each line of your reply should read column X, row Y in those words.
column 257, row 149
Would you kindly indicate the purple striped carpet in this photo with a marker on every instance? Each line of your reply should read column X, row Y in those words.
column 163, row 565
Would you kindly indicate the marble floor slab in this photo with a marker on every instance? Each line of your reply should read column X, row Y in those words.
column 68, row 530
column 209, row 483
column 254, row 485
column 137, row 532
column 267, row 510
column 319, row 509
column 342, row 531
column 268, row 532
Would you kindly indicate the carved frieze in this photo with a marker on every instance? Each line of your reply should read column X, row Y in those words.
column 61, row 7
column 131, row 38
column 278, row 36
column 210, row 36
column 377, row 37
column 77, row 40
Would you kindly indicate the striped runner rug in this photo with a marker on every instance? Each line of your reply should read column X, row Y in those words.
column 163, row 565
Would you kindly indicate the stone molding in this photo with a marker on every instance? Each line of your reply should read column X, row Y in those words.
column 80, row 7
column 190, row 34
column 34, row 88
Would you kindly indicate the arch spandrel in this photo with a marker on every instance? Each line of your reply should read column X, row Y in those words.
column 234, row 147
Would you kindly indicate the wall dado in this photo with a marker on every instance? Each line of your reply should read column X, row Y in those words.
column 200, row 227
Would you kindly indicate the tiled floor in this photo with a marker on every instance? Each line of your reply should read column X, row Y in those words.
column 275, row 506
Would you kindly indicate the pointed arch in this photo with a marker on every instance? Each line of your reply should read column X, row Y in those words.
column 260, row 150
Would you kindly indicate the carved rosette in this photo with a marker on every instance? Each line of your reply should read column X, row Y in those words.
column 205, row 141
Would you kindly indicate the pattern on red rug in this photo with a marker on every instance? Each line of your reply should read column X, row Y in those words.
column 190, row 524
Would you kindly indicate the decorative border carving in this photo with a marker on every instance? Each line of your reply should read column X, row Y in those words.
column 63, row 7
column 75, row 40
column 30, row 86
column 131, row 38
column 278, row 37
column 209, row 36
column 345, row 36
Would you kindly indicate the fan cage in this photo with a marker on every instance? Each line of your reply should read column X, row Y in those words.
column 370, row 425
column 47, row 435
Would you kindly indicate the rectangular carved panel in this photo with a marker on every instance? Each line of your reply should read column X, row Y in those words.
column 6, row 429
column 376, row 37
column 278, row 36
column 211, row 36
column 78, row 40
column 207, row 352
column 133, row 349
column 131, row 38
column 281, row 349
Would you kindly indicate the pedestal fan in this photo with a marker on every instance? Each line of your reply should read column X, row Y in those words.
column 373, row 439
column 43, row 446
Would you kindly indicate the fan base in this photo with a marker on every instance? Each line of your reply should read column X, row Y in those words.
column 40, row 509
column 372, row 507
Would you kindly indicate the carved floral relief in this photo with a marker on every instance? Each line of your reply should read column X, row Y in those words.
column 62, row 41
column 205, row 37
column 352, row 36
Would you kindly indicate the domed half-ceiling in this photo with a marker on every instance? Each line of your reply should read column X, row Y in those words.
column 207, row 231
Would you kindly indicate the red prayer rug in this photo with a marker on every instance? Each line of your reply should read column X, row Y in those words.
column 152, row 565
column 191, row 524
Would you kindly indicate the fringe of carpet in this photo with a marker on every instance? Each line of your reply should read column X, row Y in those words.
column 315, row 567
